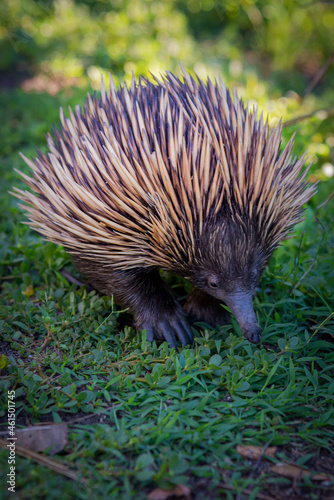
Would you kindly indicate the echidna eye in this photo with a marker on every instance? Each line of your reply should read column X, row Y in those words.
column 253, row 274
column 213, row 284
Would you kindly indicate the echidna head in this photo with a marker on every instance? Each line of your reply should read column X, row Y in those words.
column 229, row 265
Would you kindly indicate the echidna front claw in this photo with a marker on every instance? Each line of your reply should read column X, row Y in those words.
column 168, row 334
column 183, row 332
column 171, row 330
column 149, row 332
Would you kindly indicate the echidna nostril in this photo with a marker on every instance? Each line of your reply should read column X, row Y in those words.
column 255, row 336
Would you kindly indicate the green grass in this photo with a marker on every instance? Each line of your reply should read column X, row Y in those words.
column 140, row 415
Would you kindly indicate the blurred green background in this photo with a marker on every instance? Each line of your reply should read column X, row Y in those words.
column 285, row 39
column 270, row 50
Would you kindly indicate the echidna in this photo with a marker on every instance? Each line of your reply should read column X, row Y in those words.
column 174, row 175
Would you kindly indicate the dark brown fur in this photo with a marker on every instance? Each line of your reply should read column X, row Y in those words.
column 148, row 298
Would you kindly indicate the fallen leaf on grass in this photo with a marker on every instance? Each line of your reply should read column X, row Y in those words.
column 254, row 452
column 43, row 437
column 296, row 472
column 180, row 490
column 3, row 361
column 29, row 291
column 46, row 461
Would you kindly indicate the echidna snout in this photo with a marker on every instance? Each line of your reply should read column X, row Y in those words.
column 241, row 305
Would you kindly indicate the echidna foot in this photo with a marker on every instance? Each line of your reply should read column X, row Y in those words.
column 171, row 329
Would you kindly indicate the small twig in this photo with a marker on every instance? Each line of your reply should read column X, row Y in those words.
column 72, row 279
column 320, row 326
column 319, row 74
column 46, row 461
column 301, row 279
column 308, row 115
column 322, row 205
column 91, row 415
column 47, row 338
column 85, row 417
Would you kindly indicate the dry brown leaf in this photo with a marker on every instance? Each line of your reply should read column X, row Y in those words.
column 180, row 490
column 46, row 461
column 296, row 472
column 43, row 437
column 254, row 452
